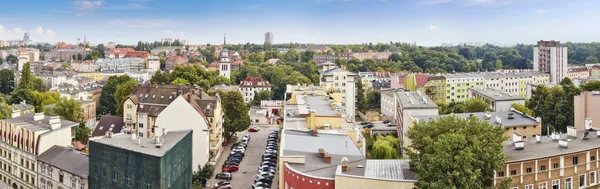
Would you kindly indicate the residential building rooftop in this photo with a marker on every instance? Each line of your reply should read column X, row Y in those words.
column 415, row 100
column 66, row 159
column 496, row 95
column 224, row 87
column 26, row 121
column 548, row 147
column 251, row 81
column 23, row 106
column 495, row 118
column 108, row 124
column 336, row 70
column 143, row 145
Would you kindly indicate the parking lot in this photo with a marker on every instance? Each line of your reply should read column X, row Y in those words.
column 248, row 168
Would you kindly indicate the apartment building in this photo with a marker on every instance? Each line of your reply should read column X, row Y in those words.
column 25, row 138
column 85, row 67
column 498, row 100
column 551, row 57
column 124, row 64
column 514, row 83
column 153, row 63
column 23, row 107
column 410, row 104
column 416, row 82
column 587, row 106
column 338, row 80
column 62, row 167
column 64, row 54
column 578, row 72
column 117, row 52
column 251, row 86
column 388, row 104
column 125, row 161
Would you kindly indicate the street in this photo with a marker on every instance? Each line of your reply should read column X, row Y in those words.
column 248, row 168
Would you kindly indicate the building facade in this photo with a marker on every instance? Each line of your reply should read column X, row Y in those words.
column 251, row 86
column 411, row 104
column 225, row 64
column 123, row 64
column 551, row 57
column 123, row 161
column 269, row 37
column 62, row 167
column 341, row 81
column 498, row 100
column 25, row 138
column 587, row 106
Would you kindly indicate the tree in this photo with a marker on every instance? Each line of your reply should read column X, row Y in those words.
column 5, row 110
column 360, row 97
column 26, row 81
column 7, row 81
column 523, row 108
column 41, row 99
column 476, row 105
column 121, row 94
column 82, row 133
column 12, row 59
column 74, row 57
column 39, row 85
column 590, row 86
column 236, row 113
column 204, row 173
column 374, row 99
column 160, row 78
column 451, row 152
column 489, row 61
column 467, row 53
column 180, row 81
column 262, row 95
column 68, row 109
column 108, row 104
column 591, row 59
column 395, row 57
column 382, row 149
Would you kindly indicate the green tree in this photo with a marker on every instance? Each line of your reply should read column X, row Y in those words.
column 590, row 86
column 591, row 59
column 160, row 78
column 382, row 149
column 180, row 81
column 374, row 99
column 523, row 108
column 121, row 94
column 489, row 61
column 108, row 105
column 74, row 57
column 12, row 59
column 262, row 95
column 361, row 101
column 451, row 152
column 7, row 81
column 475, row 105
column 40, row 99
column 395, row 57
column 467, row 53
column 5, row 110
column 68, row 109
column 256, row 57
column 82, row 133
column 27, row 78
column 64, row 66
column 39, row 85
column 200, row 177
column 236, row 113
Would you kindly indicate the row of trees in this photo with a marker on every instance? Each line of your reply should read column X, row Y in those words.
column 195, row 75
column 469, row 105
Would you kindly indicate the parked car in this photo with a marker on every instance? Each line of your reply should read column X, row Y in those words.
column 267, row 169
column 254, row 129
column 269, row 159
column 368, row 126
column 365, row 123
column 387, row 121
column 224, row 176
column 264, row 177
column 268, row 163
column 220, row 184
column 264, row 174
column 231, row 168
column 392, row 124
column 261, row 185
column 264, row 180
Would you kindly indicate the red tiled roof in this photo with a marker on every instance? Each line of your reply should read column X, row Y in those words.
column 117, row 51
column 578, row 69
column 177, row 59
column 251, row 81
column 214, row 64
column 421, row 80
column 141, row 54
column 63, row 45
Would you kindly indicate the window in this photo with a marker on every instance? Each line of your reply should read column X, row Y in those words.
column 43, row 169
column 592, row 178
column 513, row 172
column 127, row 181
column 543, row 168
column 61, row 177
column 50, row 172
column 49, row 185
column 129, row 106
column 73, row 182
column 501, row 174
column 138, row 185
column 42, row 183
column 568, row 183
column 575, row 162
column 114, row 176
column 582, row 180
column 529, row 186
column 555, row 166
column 141, row 125
column 148, row 186
column 528, row 170
column 592, row 158
column 141, row 134
column 543, row 185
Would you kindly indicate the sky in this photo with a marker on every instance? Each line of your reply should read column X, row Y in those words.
column 426, row 22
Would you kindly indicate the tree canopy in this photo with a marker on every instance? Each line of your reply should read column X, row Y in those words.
column 469, row 105
column 554, row 105
column 236, row 113
column 451, row 152
column 108, row 104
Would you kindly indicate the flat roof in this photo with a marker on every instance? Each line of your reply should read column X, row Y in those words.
column 519, row 119
column 26, row 121
column 391, row 169
column 415, row 100
column 548, row 148
column 317, row 103
column 147, row 145
column 496, row 95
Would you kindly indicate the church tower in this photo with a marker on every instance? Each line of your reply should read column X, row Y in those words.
column 225, row 63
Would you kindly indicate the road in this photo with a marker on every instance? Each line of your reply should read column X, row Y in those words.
column 244, row 178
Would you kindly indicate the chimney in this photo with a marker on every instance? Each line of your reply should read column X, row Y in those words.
column 38, row 116
column 315, row 132
column 23, row 102
column 321, row 152
column 510, row 116
column 16, row 113
column 345, row 164
column 327, row 157
column 157, row 141
column 54, row 122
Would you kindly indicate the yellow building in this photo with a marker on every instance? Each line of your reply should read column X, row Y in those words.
column 97, row 76
column 317, row 109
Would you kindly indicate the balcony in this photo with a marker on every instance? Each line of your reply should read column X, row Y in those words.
column 216, row 144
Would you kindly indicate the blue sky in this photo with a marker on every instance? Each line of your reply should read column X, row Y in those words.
column 427, row 22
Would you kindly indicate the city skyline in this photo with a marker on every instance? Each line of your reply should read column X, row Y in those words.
column 426, row 22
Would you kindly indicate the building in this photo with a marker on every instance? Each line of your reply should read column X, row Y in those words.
column 251, row 86
column 168, row 50
column 174, row 61
column 153, row 63
column 138, row 54
column 498, row 100
column 23, row 107
column 166, row 40
column 224, row 88
column 368, row 78
column 578, row 72
column 225, row 64
column 124, row 64
column 64, row 54
column 326, row 66
column 579, row 81
column 106, row 124
column 514, row 83
column 269, row 37
column 89, row 112
column 124, row 161
column 341, row 81
column 272, row 61
column 388, row 104
column 410, row 104
column 587, row 106
column 416, row 82
column 85, row 66
column 316, row 48
column 323, row 160
column 551, row 57
column 258, row 116
column 117, row 52
column 274, row 109
column 378, row 56
column 62, row 167
column 25, row 138
column 322, row 58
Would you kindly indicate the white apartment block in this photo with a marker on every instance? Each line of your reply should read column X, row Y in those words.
column 25, row 138
column 251, row 86
column 85, row 67
column 551, row 57
column 125, row 64
column 388, row 104
column 514, row 83
column 153, row 63
column 342, row 81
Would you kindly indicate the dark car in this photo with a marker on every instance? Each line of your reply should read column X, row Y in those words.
column 238, row 144
column 387, row 121
column 368, row 126
column 270, row 177
column 268, row 163
column 223, row 176
column 365, row 123
column 392, row 124
column 264, row 180
column 273, row 157
column 260, row 184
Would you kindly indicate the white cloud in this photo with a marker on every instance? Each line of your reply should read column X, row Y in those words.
column 433, row 27
column 134, row 23
column 88, row 5
column 37, row 34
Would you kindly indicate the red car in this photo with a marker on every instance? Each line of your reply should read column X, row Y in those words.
column 230, row 168
column 253, row 129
